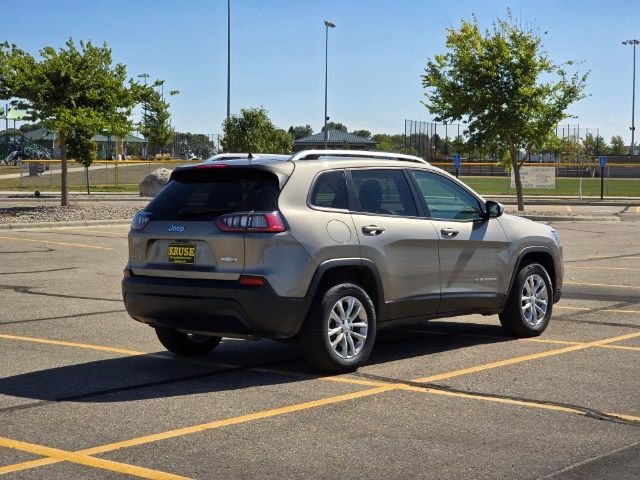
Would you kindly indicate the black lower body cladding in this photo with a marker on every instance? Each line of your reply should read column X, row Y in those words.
column 213, row 307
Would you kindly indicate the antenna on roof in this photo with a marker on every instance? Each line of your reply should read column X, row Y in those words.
column 247, row 133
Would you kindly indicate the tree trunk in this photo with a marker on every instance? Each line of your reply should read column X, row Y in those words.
column 88, row 180
column 515, row 165
column 64, row 188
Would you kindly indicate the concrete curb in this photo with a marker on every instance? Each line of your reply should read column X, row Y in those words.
column 48, row 225
column 572, row 218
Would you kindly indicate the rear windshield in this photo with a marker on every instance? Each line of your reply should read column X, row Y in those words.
column 207, row 193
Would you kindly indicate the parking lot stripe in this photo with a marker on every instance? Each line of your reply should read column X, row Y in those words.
column 315, row 403
column 601, row 285
column 600, row 268
column 86, row 453
column 81, row 245
column 71, row 344
column 85, row 460
column 524, row 358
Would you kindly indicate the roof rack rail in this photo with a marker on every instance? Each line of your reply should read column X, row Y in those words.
column 316, row 154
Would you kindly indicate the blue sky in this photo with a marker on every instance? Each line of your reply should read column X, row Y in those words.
column 376, row 52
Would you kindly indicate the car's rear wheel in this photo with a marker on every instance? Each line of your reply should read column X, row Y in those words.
column 340, row 330
column 530, row 302
column 187, row 344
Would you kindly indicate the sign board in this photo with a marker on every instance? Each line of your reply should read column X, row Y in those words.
column 603, row 161
column 457, row 160
column 536, row 177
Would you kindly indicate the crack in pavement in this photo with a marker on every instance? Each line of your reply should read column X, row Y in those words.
column 27, row 290
column 624, row 255
column 44, row 250
column 588, row 411
column 62, row 317
column 40, row 271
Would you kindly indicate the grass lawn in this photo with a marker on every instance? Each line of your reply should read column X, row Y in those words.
column 615, row 187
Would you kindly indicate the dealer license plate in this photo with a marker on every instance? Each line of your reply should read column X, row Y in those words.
column 182, row 253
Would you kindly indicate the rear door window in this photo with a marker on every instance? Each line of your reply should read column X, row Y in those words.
column 330, row 190
column 383, row 191
column 207, row 193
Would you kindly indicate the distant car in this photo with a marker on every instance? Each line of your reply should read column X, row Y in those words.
column 325, row 246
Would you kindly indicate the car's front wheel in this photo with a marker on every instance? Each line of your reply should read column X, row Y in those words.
column 187, row 344
column 340, row 330
column 530, row 302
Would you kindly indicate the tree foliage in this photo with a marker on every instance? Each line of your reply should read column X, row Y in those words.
column 156, row 121
column 75, row 91
column 362, row 133
column 617, row 146
column 300, row 131
column 503, row 84
column 195, row 145
column 335, row 126
column 253, row 131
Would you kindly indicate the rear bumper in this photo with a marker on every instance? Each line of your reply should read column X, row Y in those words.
column 213, row 307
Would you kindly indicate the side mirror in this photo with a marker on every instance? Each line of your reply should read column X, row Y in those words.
column 494, row 209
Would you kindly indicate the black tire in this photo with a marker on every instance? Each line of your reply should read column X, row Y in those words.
column 314, row 334
column 186, row 344
column 513, row 318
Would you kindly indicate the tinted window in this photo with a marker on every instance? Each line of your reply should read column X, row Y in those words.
column 207, row 193
column 383, row 191
column 330, row 190
column 446, row 199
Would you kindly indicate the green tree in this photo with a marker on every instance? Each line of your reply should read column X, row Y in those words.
column 335, row 126
column 253, row 131
column 392, row 143
column 83, row 150
column 503, row 84
column 362, row 133
column 75, row 90
column 617, row 146
column 195, row 144
column 594, row 145
column 300, row 131
column 156, row 121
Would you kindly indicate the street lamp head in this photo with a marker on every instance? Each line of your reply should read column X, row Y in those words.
column 328, row 24
column 143, row 75
column 633, row 41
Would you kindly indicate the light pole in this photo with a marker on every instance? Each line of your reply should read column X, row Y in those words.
column 144, row 111
column 327, row 25
column 228, row 59
column 633, row 42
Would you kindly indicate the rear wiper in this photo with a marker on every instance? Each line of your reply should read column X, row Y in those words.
column 192, row 211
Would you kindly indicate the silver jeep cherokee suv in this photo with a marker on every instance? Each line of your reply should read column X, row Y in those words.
column 326, row 246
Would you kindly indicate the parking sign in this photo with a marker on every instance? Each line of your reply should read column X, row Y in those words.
column 457, row 160
column 603, row 161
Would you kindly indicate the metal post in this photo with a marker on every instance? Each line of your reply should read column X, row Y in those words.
column 633, row 42
column 228, row 59
column 601, row 182
column 327, row 24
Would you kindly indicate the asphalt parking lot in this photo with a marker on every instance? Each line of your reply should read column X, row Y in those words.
column 87, row 392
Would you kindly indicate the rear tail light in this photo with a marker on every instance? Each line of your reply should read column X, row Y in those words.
column 140, row 220
column 266, row 222
column 249, row 280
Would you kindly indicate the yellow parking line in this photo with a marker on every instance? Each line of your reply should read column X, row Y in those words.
column 315, row 403
column 80, row 459
column 201, row 428
column 81, row 245
column 583, row 309
column 602, row 285
column 600, row 268
column 71, row 344
column 524, row 358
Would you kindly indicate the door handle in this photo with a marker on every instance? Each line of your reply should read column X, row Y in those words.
column 449, row 232
column 372, row 230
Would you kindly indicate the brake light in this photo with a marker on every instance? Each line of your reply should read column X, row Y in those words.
column 140, row 220
column 265, row 222
column 211, row 165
